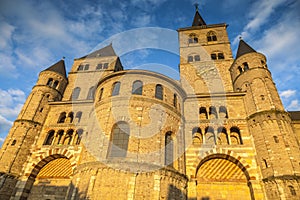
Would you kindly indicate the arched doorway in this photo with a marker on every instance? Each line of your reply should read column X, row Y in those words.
column 222, row 177
column 51, row 178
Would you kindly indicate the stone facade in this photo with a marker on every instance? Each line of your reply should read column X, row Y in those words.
column 103, row 132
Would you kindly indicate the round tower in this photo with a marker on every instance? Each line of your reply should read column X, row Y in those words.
column 16, row 148
column 270, row 125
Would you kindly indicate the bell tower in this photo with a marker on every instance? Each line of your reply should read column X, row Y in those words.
column 205, row 57
column 50, row 86
column 270, row 125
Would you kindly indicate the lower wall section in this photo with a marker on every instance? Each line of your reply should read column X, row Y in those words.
column 99, row 181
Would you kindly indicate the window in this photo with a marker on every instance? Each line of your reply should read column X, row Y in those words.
column 213, row 113
column 70, row 117
column 78, row 136
column 50, row 81
column 75, row 93
column 49, row 138
column 159, row 92
column 223, row 112
column 292, row 190
column 55, row 84
column 211, row 36
column 193, row 39
column 213, row 56
column 197, row 58
column 13, row 142
column 222, row 136
column 265, row 163
column 91, row 93
column 59, row 136
column 116, row 89
column 175, row 100
column 68, row 137
column 240, row 69
column 246, row 67
column 190, row 58
column 235, row 136
column 137, row 87
column 169, row 148
column 62, row 117
column 105, row 66
column 78, row 116
column 119, row 140
column 203, row 113
column 101, row 94
column 99, row 66
column 197, row 136
column 276, row 140
column 80, row 68
column 220, row 56
column 209, row 135
column 86, row 67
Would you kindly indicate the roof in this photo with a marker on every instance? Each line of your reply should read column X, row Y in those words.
column 198, row 20
column 59, row 68
column 244, row 48
column 104, row 52
column 295, row 115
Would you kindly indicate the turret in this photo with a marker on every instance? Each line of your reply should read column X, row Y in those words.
column 274, row 139
column 16, row 148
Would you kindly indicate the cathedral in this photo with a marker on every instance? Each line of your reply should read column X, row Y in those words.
column 103, row 132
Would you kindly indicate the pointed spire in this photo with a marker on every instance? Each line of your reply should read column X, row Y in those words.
column 243, row 48
column 58, row 67
column 198, row 20
column 104, row 52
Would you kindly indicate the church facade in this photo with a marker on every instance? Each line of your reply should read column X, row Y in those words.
column 104, row 132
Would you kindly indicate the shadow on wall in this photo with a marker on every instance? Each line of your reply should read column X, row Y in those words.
column 175, row 193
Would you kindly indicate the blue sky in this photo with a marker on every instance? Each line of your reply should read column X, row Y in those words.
column 35, row 34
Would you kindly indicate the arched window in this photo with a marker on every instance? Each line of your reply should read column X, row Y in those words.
column 13, row 142
column 91, row 93
column 78, row 116
column 75, row 93
column 175, row 99
column 101, row 94
column 159, row 92
column 137, row 87
column 223, row 112
column 86, row 67
column 116, row 89
column 213, row 113
column 50, row 81
column 59, row 136
column 193, row 39
column 292, row 190
column 80, row 67
column 221, row 56
column 119, row 140
column 49, row 138
column 213, row 56
column 79, row 133
column 55, row 84
column 190, row 58
column 211, row 36
column 209, row 135
column 197, row 136
column 68, row 137
column 203, row 113
column 169, row 148
column 222, row 136
column 246, row 66
column 70, row 117
column 62, row 117
column 235, row 136
column 240, row 69
column 99, row 66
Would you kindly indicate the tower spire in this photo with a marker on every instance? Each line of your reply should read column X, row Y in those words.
column 198, row 20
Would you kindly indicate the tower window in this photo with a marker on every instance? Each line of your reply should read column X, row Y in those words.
column 78, row 136
column 119, row 140
column 78, row 116
column 203, row 113
column 70, row 117
column 99, row 66
column 197, row 58
column 50, row 81
column 159, row 92
column 175, row 100
column 91, row 93
column 76, row 93
column 190, row 58
column 169, row 148
column 220, row 56
column 193, row 39
column 246, row 67
column 292, row 190
column 137, row 87
column 80, row 68
column 13, row 142
column 213, row 56
column 86, row 67
column 55, row 84
column 49, row 138
column 211, row 36
column 116, row 89
column 101, row 94
column 105, row 66
column 276, row 140
column 240, row 69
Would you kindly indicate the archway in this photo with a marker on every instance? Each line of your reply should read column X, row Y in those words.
column 221, row 177
column 49, row 179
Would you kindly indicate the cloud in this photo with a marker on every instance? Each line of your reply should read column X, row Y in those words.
column 11, row 102
column 294, row 105
column 287, row 93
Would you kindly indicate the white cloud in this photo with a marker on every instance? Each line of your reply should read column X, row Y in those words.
column 11, row 102
column 294, row 105
column 287, row 93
